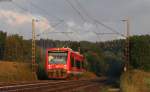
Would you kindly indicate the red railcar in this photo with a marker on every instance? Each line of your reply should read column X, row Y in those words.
column 63, row 63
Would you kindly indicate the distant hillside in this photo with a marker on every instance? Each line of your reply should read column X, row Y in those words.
column 14, row 71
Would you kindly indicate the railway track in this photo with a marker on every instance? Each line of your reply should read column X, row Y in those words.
column 49, row 86
column 23, row 82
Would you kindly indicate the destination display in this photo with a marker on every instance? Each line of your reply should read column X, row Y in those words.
column 57, row 57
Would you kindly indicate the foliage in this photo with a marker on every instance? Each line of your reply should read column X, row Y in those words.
column 17, row 49
column 41, row 73
column 140, row 52
column 102, row 58
column 135, row 81
column 2, row 44
column 114, row 65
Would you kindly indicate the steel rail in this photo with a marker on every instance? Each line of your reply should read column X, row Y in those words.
column 46, row 86
column 52, row 87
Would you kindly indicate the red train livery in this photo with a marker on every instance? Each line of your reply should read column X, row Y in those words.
column 63, row 63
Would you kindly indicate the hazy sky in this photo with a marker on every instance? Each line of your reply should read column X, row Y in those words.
column 75, row 16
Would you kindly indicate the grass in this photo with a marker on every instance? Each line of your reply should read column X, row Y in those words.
column 147, row 81
column 14, row 71
column 88, row 75
column 104, row 89
column 135, row 81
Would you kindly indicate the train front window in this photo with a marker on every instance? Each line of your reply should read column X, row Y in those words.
column 57, row 57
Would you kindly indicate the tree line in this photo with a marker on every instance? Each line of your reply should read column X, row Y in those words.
column 14, row 48
column 102, row 57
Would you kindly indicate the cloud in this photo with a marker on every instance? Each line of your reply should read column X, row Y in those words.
column 79, row 27
column 87, row 31
column 70, row 24
column 16, row 19
column 80, row 31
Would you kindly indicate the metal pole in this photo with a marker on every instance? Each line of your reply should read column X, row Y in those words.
column 33, row 45
column 127, row 45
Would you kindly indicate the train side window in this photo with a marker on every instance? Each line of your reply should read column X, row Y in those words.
column 72, row 62
column 78, row 64
column 83, row 64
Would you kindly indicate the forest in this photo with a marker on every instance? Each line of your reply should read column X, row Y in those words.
column 103, row 58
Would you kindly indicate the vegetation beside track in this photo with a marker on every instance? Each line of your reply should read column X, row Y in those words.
column 15, row 71
column 88, row 75
column 135, row 81
column 102, row 58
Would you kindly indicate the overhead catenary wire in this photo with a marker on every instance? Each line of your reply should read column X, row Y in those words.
column 58, row 32
column 55, row 32
column 73, row 31
column 96, row 21
column 47, row 14
column 43, row 10
column 111, row 29
column 89, row 16
column 63, row 32
column 68, row 35
column 21, row 7
column 28, row 11
column 37, row 7
column 78, row 12
column 82, row 9
column 54, row 26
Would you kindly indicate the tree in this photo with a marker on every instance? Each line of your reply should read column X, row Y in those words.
column 140, row 52
column 14, row 48
column 3, row 36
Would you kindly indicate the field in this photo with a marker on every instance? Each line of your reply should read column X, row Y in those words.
column 14, row 71
column 135, row 81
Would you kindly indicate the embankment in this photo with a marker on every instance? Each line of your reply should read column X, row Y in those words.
column 15, row 71
column 135, row 81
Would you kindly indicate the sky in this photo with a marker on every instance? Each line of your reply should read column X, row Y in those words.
column 75, row 19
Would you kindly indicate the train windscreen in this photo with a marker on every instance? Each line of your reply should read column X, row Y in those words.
column 57, row 57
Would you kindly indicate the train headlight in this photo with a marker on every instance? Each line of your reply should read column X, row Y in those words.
column 65, row 66
column 49, row 67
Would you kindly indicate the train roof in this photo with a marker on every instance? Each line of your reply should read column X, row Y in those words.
column 64, row 49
